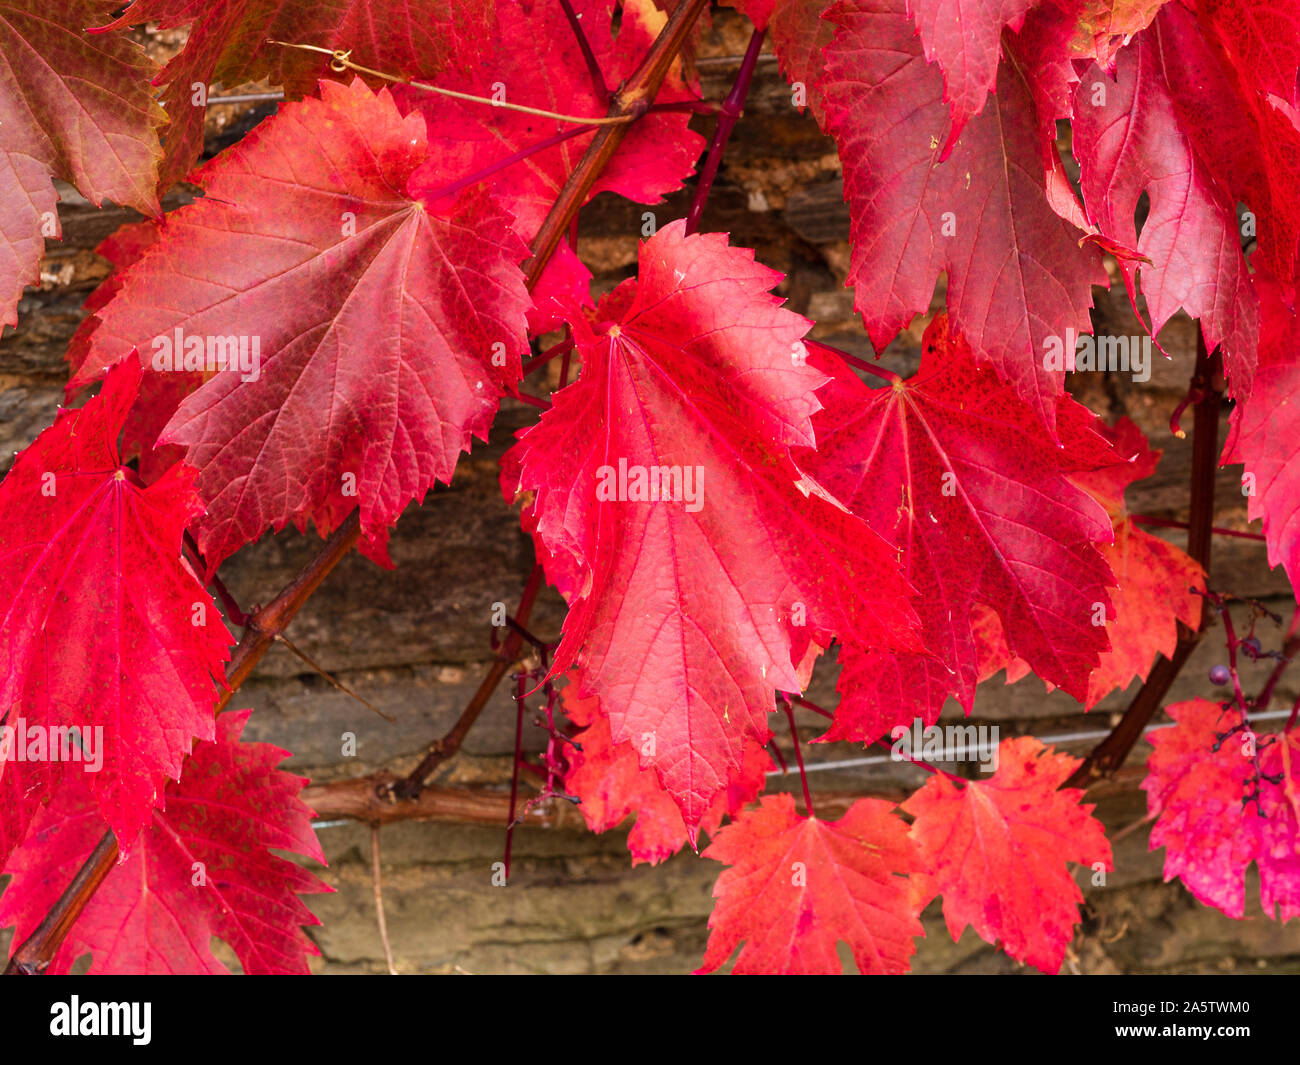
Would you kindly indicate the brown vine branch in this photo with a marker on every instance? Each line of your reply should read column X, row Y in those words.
column 360, row 800
column 629, row 103
column 1109, row 754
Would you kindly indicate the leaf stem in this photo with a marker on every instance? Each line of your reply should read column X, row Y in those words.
column 862, row 364
column 1165, row 523
column 561, row 347
column 589, row 57
column 798, row 754
column 523, row 153
column 732, row 108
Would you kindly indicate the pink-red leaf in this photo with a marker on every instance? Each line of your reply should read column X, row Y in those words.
column 964, row 37
column 1196, row 789
column 1266, row 429
column 203, row 868
column 72, row 106
column 1249, row 139
column 997, row 850
column 689, row 608
column 388, row 324
column 103, row 626
column 798, row 886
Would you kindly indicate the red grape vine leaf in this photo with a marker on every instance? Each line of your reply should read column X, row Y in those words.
column 797, row 886
column 389, row 320
column 609, row 780
column 1261, row 40
column 72, row 106
column 701, row 564
column 996, row 850
column 1128, row 139
column 962, row 478
column 1017, row 277
column 232, row 41
column 203, row 867
column 1137, row 461
column 1210, row 835
column 103, row 627
column 1158, row 585
column 1265, row 433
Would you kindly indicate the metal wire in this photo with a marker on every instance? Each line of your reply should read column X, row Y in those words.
column 1060, row 737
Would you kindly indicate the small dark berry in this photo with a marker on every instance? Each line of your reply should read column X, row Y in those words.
column 1251, row 646
column 1220, row 676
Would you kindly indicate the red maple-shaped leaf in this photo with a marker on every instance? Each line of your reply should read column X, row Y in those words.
column 700, row 562
column 103, row 627
column 1199, row 779
column 72, row 106
column 204, row 867
column 996, row 850
column 609, row 780
column 962, row 478
column 1266, row 429
column 1017, row 277
column 388, row 324
column 1157, row 585
column 1129, row 141
column 236, row 41
column 544, row 67
column 798, row 886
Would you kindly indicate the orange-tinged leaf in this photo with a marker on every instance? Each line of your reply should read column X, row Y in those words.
column 996, row 850
column 609, row 780
column 797, row 886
